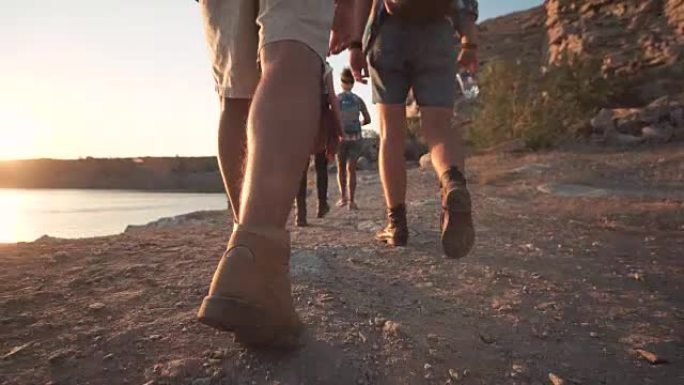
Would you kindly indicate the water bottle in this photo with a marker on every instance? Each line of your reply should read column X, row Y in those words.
column 468, row 84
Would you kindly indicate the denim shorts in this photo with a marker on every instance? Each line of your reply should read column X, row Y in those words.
column 422, row 57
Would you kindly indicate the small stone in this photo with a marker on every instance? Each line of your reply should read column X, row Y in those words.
column 154, row 337
column 57, row 356
column 453, row 373
column 593, row 334
column 218, row 354
column 391, row 329
column 379, row 321
column 652, row 358
column 427, row 366
column 108, row 356
column 96, row 306
column 546, row 306
column 425, row 162
column 16, row 350
column 555, row 380
column 201, row 381
column 325, row 298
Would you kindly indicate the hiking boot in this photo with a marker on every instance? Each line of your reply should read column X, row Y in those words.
column 250, row 294
column 353, row 206
column 396, row 231
column 341, row 203
column 323, row 209
column 458, row 232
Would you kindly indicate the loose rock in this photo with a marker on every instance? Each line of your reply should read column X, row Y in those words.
column 652, row 358
column 555, row 380
column 391, row 329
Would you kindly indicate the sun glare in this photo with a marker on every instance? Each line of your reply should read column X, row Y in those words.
column 11, row 225
column 20, row 136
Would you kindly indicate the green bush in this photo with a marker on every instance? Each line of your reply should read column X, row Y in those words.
column 539, row 108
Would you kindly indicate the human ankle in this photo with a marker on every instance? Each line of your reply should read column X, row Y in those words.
column 452, row 176
column 274, row 233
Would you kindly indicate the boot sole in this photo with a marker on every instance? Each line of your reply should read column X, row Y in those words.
column 248, row 322
column 393, row 242
column 458, row 235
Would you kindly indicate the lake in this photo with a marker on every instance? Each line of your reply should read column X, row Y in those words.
column 27, row 214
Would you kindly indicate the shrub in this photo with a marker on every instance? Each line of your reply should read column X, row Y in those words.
column 537, row 107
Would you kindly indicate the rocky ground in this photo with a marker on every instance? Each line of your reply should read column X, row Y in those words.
column 576, row 278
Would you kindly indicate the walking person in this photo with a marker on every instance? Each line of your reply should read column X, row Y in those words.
column 267, row 59
column 325, row 149
column 409, row 45
column 351, row 105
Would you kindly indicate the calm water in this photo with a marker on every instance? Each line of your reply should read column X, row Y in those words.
column 28, row 214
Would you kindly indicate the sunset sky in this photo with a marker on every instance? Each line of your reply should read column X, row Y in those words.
column 115, row 78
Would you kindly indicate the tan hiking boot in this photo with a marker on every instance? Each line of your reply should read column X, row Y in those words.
column 458, row 231
column 396, row 231
column 250, row 294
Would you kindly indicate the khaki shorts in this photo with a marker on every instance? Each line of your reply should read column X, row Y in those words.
column 237, row 30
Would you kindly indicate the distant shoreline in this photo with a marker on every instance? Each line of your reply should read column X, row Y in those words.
column 158, row 174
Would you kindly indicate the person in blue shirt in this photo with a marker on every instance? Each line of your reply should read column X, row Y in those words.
column 351, row 146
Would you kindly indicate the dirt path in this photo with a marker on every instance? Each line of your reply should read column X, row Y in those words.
column 558, row 283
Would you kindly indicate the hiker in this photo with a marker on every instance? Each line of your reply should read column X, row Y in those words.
column 351, row 105
column 268, row 60
column 409, row 45
column 325, row 148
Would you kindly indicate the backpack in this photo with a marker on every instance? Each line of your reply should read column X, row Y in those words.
column 418, row 11
column 350, row 108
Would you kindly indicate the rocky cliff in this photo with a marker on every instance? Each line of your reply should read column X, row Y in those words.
column 639, row 41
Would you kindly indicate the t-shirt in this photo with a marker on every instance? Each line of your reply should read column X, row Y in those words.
column 351, row 105
column 379, row 15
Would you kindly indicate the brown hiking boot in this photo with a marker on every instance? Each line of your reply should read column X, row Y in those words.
column 250, row 294
column 396, row 231
column 458, row 232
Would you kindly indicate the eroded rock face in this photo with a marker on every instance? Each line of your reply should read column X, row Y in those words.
column 628, row 35
column 630, row 38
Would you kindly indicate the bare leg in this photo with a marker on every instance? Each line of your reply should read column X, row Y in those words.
column 351, row 178
column 279, row 141
column 392, row 162
column 232, row 138
column 342, row 178
column 300, row 200
column 448, row 158
column 445, row 142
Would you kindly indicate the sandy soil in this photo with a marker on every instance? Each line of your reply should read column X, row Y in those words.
column 563, row 287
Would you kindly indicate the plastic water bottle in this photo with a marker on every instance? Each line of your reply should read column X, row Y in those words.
column 468, row 85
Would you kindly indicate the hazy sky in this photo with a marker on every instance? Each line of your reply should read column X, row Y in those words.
column 115, row 78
